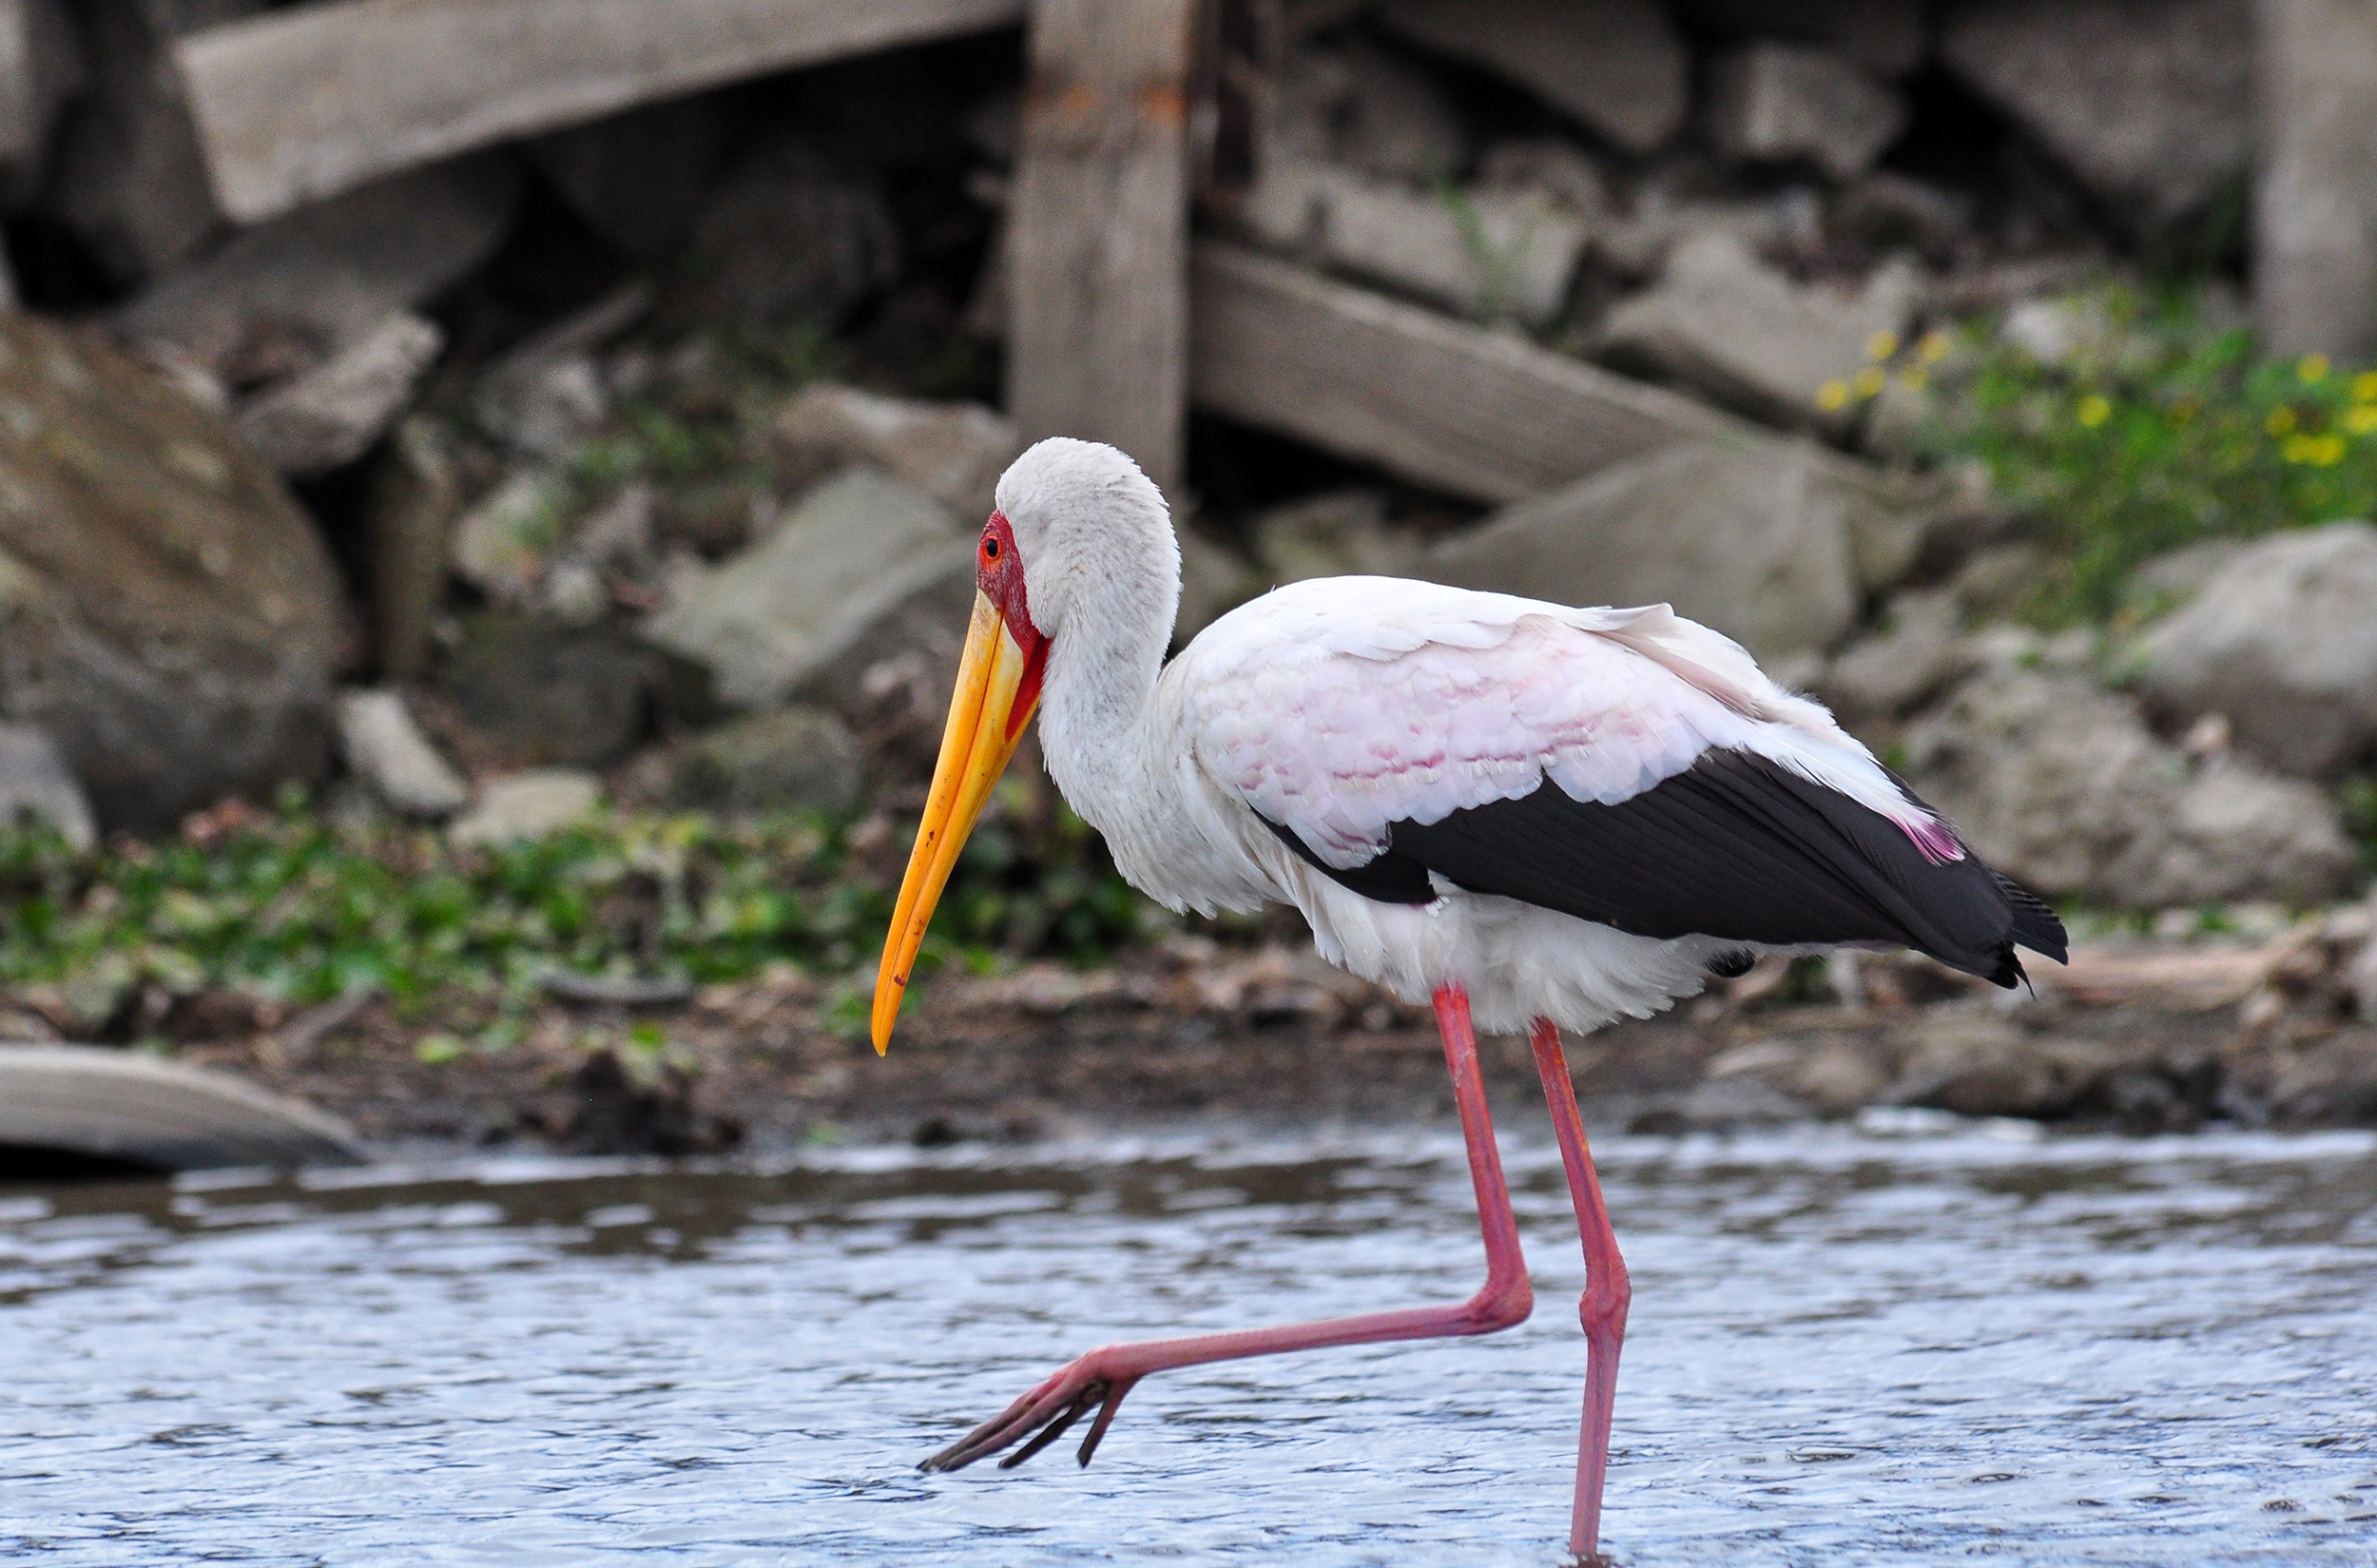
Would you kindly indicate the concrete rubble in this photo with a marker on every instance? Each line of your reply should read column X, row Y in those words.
column 1773, row 103
column 951, row 451
column 1746, row 336
column 864, row 567
column 526, row 805
column 2147, row 101
column 386, row 751
column 1619, row 67
column 35, row 782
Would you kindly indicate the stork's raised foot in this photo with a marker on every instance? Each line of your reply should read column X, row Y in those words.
column 1044, row 1414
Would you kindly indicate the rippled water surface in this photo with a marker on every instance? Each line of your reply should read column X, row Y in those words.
column 1846, row 1348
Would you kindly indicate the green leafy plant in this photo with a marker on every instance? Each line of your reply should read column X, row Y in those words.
column 2158, row 431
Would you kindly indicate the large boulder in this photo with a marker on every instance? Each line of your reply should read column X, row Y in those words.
column 167, row 613
column 1728, row 326
column 2283, row 640
column 793, row 759
column 1619, row 67
column 2061, row 786
column 1888, row 37
column 575, row 696
column 1752, row 537
column 1369, row 110
column 2149, row 102
column 864, row 568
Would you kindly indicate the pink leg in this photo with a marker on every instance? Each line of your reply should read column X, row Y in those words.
column 1104, row 1376
column 1606, row 1292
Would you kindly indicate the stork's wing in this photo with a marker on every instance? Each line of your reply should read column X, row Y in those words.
column 1622, row 767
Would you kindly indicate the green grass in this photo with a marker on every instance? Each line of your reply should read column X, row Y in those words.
column 2161, row 431
column 290, row 905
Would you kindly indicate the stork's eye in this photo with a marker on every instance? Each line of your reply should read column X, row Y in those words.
column 990, row 548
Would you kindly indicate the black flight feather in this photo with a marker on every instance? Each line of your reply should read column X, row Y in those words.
column 1736, row 847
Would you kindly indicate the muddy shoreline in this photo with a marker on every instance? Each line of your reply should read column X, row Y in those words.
column 2133, row 1038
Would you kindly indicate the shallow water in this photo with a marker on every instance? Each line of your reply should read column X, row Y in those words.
column 1846, row 1348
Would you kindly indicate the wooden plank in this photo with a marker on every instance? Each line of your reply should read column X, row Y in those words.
column 1476, row 414
column 1097, row 237
column 298, row 105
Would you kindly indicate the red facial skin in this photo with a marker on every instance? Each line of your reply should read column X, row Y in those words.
column 998, row 571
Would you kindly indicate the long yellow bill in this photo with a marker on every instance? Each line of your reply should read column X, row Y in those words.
column 982, row 734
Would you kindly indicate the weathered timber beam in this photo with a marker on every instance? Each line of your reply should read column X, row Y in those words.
column 294, row 105
column 1098, row 230
column 1474, row 413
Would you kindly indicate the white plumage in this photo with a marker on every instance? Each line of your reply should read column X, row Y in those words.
column 1337, row 706
column 1520, row 813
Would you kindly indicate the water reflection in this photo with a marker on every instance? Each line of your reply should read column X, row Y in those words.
column 1846, row 1349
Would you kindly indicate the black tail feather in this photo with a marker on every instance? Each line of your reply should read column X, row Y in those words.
column 2036, row 926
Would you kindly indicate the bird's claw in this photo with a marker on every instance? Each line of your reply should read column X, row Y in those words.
column 1044, row 1414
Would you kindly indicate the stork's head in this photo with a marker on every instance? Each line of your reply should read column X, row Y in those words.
column 1068, row 514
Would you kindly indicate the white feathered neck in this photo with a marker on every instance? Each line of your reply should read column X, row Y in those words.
column 1101, row 572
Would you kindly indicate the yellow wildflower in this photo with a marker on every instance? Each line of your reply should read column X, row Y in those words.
column 1881, row 346
column 2093, row 411
column 2327, row 450
column 2311, row 369
column 1833, row 395
column 1934, row 348
column 1915, row 379
column 2364, row 386
column 1867, row 382
column 2280, row 421
column 2361, row 420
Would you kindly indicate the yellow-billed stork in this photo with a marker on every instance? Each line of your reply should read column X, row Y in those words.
column 1529, row 815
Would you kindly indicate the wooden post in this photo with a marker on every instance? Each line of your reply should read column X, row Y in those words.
column 1097, row 239
column 2315, row 190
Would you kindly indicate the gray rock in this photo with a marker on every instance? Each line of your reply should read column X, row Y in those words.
column 387, row 751
column 786, row 236
column 330, row 416
column 167, row 611
column 863, row 568
column 793, row 759
column 1981, row 1066
column 35, row 781
column 500, row 543
column 1750, row 538
column 526, row 805
column 636, row 178
column 130, row 180
column 1618, row 65
column 2062, row 787
column 41, row 66
column 331, row 273
column 951, row 451
column 2148, row 101
column 1891, row 211
column 1887, row 37
column 582, row 697
column 409, row 510
column 2283, row 640
column 1485, row 252
column 1558, row 172
column 1371, row 111
column 1772, row 102
column 1338, row 534
column 112, row 1104
column 1918, row 654
column 543, row 405
column 1727, row 325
